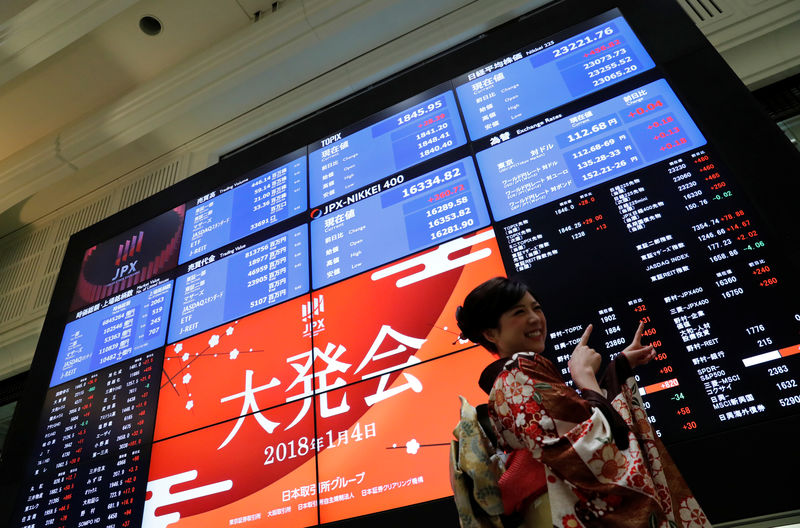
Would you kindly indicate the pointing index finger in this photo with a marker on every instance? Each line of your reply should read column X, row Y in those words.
column 586, row 334
column 637, row 337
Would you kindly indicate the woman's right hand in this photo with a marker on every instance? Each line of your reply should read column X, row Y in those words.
column 636, row 352
column 584, row 363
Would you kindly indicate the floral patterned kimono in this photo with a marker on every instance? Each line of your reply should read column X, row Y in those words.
column 604, row 466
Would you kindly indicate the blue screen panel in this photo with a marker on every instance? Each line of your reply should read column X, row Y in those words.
column 207, row 227
column 420, row 130
column 578, row 151
column 105, row 333
column 247, row 281
column 535, row 80
column 234, row 212
column 428, row 210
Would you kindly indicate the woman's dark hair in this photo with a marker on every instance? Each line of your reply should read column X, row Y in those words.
column 484, row 305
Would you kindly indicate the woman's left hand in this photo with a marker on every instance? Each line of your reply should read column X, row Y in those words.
column 637, row 353
column 584, row 363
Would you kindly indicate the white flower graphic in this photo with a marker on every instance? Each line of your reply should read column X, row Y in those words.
column 547, row 424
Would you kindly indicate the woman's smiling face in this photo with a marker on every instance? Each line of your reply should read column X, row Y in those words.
column 522, row 328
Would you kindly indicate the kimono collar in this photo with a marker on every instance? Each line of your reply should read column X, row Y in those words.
column 486, row 381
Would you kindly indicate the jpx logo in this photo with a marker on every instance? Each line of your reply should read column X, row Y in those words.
column 328, row 141
column 125, row 270
column 311, row 316
column 126, row 265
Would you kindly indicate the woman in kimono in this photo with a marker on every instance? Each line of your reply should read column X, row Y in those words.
column 603, row 464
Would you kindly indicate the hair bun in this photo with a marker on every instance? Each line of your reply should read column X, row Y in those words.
column 459, row 321
column 465, row 324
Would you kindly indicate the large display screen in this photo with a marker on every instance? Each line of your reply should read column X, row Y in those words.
column 282, row 349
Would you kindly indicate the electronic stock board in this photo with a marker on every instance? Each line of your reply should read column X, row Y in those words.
column 257, row 353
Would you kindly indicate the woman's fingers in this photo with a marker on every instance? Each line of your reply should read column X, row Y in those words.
column 641, row 355
column 585, row 337
column 637, row 337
